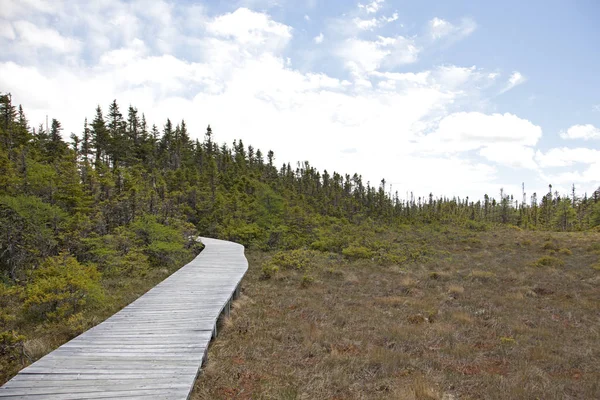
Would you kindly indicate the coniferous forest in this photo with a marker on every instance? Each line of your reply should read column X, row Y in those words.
column 90, row 223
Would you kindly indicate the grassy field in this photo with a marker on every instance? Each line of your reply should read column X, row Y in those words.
column 501, row 314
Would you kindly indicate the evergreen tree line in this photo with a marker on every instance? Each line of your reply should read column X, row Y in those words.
column 84, row 222
column 59, row 197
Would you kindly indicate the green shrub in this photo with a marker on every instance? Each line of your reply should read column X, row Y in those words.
column 268, row 270
column 479, row 275
column 326, row 245
column 166, row 254
column 108, row 251
column 566, row 252
column 357, row 252
column 332, row 238
column 442, row 276
column 418, row 253
column 164, row 245
column 307, row 280
column 550, row 246
column 389, row 258
column 8, row 308
column 11, row 348
column 476, row 226
column 242, row 232
column 549, row 261
column 62, row 287
column 29, row 233
column 134, row 263
column 594, row 247
column 507, row 341
column 294, row 259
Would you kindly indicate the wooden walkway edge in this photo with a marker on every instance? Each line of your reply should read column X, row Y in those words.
column 151, row 349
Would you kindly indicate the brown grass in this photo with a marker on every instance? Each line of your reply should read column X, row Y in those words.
column 490, row 324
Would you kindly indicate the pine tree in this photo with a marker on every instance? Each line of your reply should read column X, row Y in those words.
column 564, row 216
column 133, row 135
column 100, row 138
column 56, row 147
column 86, row 142
column 8, row 114
column 118, row 145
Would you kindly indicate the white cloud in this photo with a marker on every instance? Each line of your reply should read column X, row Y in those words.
column 365, row 24
column 362, row 55
column 440, row 28
column 465, row 131
column 124, row 55
column 515, row 79
column 393, row 18
column 6, row 30
column 17, row 8
column 585, row 132
column 319, row 38
column 587, row 180
column 370, row 24
column 596, row 107
column 371, row 7
column 258, row 4
column 249, row 27
column 406, row 79
column 33, row 36
column 402, row 51
column 515, row 156
column 564, row 156
column 370, row 55
column 442, row 176
column 306, row 18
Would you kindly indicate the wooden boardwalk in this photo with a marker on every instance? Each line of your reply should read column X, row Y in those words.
column 151, row 349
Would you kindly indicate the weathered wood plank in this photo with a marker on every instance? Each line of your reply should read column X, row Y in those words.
column 151, row 349
column 64, row 389
column 123, row 394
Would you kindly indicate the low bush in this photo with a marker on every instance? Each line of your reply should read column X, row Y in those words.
column 356, row 252
column 549, row 261
column 476, row 226
column 481, row 275
column 164, row 245
column 594, row 247
column 293, row 259
column 11, row 350
column 390, row 258
column 307, row 280
column 268, row 270
column 62, row 287
column 550, row 246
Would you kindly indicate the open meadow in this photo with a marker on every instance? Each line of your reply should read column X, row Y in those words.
column 459, row 314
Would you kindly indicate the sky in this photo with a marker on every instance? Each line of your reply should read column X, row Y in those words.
column 454, row 98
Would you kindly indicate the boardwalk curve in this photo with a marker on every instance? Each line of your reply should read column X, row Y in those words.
column 151, row 349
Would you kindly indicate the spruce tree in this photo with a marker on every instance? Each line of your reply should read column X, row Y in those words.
column 100, row 138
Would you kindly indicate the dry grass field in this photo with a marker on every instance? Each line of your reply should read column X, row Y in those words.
column 502, row 314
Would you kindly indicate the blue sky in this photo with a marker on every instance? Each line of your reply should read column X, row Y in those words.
column 450, row 97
